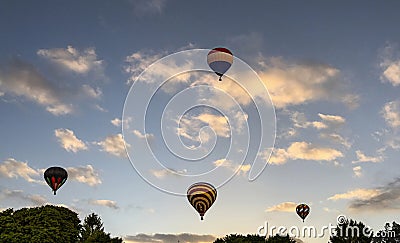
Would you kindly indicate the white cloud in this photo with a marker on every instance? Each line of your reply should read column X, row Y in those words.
column 72, row 59
column 283, row 207
column 356, row 194
column 240, row 169
column 303, row 150
column 337, row 139
column 391, row 113
column 308, row 151
column 91, row 92
column 69, row 141
column 11, row 168
column 138, row 62
column 138, row 134
column 189, row 126
column 166, row 172
column 105, row 203
column 115, row 145
column 21, row 79
column 300, row 83
column 118, row 122
column 357, row 171
column 390, row 64
column 361, row 157
column 84, row 174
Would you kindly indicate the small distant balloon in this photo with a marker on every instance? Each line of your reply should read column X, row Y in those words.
column 201, row 196
column 220, row 60
column 302, row 210
column 55, row 177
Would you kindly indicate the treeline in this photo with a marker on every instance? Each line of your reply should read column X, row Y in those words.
column 351, row 231
column 48, row 224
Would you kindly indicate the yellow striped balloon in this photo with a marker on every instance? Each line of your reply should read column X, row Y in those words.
column 201, row 196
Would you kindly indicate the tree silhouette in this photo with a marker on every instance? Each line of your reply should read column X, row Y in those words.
column 390, row 234
column 93, row 231
column 236, row 238
column 352, row 231
column 280, row 239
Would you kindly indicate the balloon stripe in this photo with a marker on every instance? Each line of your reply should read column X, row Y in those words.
column 219, row 56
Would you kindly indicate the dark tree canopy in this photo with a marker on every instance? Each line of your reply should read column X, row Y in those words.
column 352, row 231
column 48, row 224
column 41, row 224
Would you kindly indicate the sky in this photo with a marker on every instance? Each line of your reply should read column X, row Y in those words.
column 119, row 93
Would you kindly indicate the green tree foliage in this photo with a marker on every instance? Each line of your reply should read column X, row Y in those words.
column 352, row 232
column 93, row 231
column 49, row 224
column 44, row 224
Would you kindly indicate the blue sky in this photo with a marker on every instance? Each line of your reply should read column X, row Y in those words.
column 332, row 70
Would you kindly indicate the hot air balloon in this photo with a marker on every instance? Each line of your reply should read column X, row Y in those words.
column 201, row 196
column 220, row 60
column 302, row 210
column 55, row 177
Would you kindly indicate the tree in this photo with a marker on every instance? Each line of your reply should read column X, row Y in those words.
column 44, row 224
column 235, row 238
column 280, row 239
column 93, row 231
column 352, row 231
column 391, row 234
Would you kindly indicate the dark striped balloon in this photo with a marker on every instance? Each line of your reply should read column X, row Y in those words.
column 302, row 210
column 220, row 60
column 201, row 196
column 55, row 177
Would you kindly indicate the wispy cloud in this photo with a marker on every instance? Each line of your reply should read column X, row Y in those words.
column 361, row 157
column 91, row 92
column 162, row 173
column 295, row 83
column 357, row 171
column 146, row 7
column 189, row 126
column 84, row 174
column 138, row 134
column 282, row 207
column 115, row 145
column 23, row 80
column 390, row 64
column 356, row 194
column 169, row 238
column 386, row 197
column 240, row 169
column 391, row 113
column 105, row 203
column 34, row 199
column 11, row 168
column 69, row 141
column 72, row 59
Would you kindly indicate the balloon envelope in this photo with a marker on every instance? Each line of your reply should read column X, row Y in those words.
column 220, row 60
column 201, row 196
column 302, row 210
column 55, row 177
